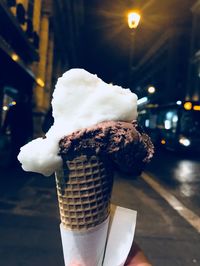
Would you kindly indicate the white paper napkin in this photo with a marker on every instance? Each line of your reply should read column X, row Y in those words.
column 108, row 244
column 120, row 236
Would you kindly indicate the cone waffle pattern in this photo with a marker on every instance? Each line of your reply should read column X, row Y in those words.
column 84, row 187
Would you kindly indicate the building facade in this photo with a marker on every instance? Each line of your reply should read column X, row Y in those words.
column 193, row 88
column 39, row 40
column 172, row 62
column 165, row 66
column 18, row 50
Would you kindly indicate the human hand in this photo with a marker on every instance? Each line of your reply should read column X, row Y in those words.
column 136, row 257
column 74, row 263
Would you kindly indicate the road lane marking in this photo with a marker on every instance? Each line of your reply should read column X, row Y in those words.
column 192, row 218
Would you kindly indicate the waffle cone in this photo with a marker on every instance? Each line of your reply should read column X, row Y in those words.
column 84, row 187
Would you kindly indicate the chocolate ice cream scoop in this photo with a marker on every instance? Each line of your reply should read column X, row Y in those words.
column 121, row 144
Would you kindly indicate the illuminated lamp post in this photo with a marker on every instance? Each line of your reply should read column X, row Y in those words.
column 133, row 22
column 151, row 89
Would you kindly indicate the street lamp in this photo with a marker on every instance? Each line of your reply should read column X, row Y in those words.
column 133, row 19
column 133, row 22
column 151, row 89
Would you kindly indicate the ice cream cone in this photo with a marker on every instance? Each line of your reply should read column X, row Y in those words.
column 84, row 187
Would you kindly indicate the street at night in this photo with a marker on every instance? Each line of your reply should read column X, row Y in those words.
column 29, row 215
column 91, row 90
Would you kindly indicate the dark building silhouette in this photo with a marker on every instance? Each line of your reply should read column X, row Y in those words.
column 170, row 63
column 193, row 88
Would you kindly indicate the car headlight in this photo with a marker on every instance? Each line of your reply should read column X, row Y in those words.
column 184, row 141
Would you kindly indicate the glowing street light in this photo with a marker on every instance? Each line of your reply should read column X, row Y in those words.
column 15, row 57
column 133, row 19
column 151, row 89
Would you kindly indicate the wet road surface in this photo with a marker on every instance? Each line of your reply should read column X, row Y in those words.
column 180, row 175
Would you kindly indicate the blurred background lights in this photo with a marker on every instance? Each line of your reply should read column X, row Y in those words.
column 147, row 123
column 169, row 115
column 151, row 89
column 184, row 141
column 15, row 57
column 5, row 108
column 167, row 124
column 196, row 107
column 12, row 103
column 142, row 100
column 179, row 102
column 163, row 141
column 188, row 105
column 175, row 118
column 40, row 82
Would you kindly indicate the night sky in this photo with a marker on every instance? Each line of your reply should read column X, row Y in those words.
column 106, row 37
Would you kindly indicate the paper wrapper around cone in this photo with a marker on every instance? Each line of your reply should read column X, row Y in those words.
column 84, row 187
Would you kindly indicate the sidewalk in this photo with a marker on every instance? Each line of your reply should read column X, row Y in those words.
column 29, row 222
